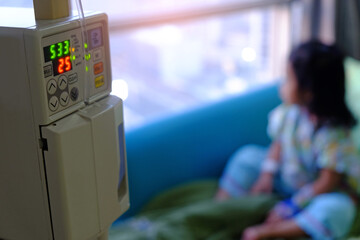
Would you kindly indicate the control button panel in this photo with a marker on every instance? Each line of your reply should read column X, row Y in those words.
column 70, row 66
column 63, row 66
column 96, row 60
column 58, row 92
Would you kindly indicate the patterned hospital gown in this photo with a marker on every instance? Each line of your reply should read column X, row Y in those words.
column 306, row 150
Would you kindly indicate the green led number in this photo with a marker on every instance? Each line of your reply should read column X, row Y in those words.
column 60, row 49
column 53, row 52
column 66, row 48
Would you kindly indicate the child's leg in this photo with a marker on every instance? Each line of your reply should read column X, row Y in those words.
column 328, row 216
column 282, row 229
column 241, row 171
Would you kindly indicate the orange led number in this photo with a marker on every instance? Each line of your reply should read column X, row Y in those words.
column 61, row 65
column 67, row 63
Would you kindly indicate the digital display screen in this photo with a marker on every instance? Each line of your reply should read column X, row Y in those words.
column 95, row 37
column 59, row 54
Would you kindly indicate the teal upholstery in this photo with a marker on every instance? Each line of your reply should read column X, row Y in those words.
column 195, row 144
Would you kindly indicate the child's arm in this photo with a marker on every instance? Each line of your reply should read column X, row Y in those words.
column 264, row 184
column 327, row 181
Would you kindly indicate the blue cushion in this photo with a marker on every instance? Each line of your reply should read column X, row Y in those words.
column 194, row 144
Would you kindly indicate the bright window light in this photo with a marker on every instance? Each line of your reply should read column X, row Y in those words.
column 235, row 85
column 120, row 89
column 248, row 54
column 172, row 67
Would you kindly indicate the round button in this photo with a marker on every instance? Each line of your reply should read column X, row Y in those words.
column 74, row 93
column 53, row 103
column 64, row 98
column 51, row 86
column 62, row 82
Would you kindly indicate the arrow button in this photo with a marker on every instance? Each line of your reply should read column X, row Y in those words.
column 53, row 103
column 64, row 98
column 74, row 93
column 51, row 86
column 62, row 82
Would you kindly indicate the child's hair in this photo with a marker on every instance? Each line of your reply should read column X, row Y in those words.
column 319, row 69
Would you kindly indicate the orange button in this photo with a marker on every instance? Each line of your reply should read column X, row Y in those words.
column 98, row 68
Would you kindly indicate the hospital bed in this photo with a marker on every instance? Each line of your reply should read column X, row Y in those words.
column 195, row 144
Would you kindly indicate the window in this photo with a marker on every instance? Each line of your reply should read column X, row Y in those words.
column 171, row 67
column 17, row 3
column 169, row 56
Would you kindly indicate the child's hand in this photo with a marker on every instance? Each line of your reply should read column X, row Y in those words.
column 251, row 233
column 263, row 185
column 273, row 217
column 283, row 210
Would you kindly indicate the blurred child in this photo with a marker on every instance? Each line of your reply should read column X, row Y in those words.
column 312, row 162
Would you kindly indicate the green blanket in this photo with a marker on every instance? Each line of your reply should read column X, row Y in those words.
column 189, row 212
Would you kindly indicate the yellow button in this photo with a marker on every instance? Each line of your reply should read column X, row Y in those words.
column 98, row 68
column 99, row 81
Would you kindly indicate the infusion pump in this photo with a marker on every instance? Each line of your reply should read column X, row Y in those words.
column 62, row 151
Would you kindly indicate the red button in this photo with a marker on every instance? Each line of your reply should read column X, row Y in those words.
column 98, row 68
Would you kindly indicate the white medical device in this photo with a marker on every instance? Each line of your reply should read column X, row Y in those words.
column 62, row 151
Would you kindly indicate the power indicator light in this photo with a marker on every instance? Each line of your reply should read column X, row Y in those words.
column 87, row 57
column 85, row 45
column 86, row 68
column 73, row 57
